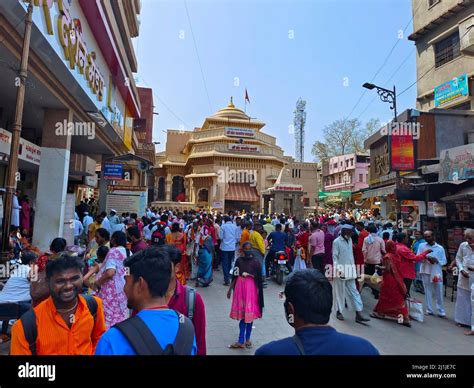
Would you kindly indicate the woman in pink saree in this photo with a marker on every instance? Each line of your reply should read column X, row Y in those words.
column 111, row 280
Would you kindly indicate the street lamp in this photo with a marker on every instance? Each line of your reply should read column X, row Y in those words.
column 389, row 96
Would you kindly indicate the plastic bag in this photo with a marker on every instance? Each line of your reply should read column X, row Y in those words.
column 415, row 309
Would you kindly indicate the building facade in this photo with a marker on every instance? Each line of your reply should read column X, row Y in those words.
column 346, row 172
column 227, row 164
column 444, row 40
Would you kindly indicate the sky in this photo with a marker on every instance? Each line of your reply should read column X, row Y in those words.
column 195, row 54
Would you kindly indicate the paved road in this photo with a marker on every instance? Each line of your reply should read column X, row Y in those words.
column 434, row 336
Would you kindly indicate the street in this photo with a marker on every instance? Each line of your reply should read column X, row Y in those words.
column 434, row 336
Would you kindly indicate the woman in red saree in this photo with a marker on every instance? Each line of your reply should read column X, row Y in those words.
column 392, row 290
column 178, row 239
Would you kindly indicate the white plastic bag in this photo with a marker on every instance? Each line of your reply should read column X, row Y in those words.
column 415, row 309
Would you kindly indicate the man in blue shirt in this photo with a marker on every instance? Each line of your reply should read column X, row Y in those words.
column 308, row 308
column 228, row 237
column 146, row 285
column 277, row 241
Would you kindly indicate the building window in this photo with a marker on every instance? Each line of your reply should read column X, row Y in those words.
column 367, row 177
column 299, row 173
column 361, row 177
column 335, row 165
column 305, row 201
column 432, row 2
column 352, row 161
column 447, row 49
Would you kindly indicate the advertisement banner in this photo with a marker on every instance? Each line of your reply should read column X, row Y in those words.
column 403, row 153
column 437, row 209
column 457, row 163
column 453, row 90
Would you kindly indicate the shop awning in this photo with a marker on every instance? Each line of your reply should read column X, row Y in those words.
column 334, row 194
column 466, row 193
column 241, row 192
column 380, row 192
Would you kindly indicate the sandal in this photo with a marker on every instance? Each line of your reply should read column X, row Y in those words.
column 4, row 338
column 248, row 344
column 237, row 345
column 378, row 316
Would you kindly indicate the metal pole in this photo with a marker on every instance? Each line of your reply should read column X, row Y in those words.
column 397, row 184
column 16, row 131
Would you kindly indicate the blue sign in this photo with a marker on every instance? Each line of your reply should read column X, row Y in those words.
column 113, row 171
column 451, row 90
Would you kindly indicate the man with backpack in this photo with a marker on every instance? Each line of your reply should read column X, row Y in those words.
column 159, row 231
column 64, row 324
column 155, row 329
column 186, row 301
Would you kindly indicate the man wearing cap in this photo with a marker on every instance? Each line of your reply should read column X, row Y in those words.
column 114, row 221
column 345, row 273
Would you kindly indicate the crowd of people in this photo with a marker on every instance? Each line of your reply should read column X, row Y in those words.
column 125, row 285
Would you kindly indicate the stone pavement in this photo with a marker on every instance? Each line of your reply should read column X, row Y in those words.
column 434, row 336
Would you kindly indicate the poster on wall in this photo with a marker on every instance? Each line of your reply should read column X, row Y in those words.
column 403, row 153
column 436, row 209
column 124, row 201
column 457, row 163
column 411, row 211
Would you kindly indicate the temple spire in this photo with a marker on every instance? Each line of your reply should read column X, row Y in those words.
column 231, row 103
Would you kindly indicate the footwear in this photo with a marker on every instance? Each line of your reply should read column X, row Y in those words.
column 360, row 318
column 406, row 323
column 442, row 316
column 226, row 284
column 4, row 338
column 339, row 316
column 377, row 316
column 237, row 345
column 248, row 344
column 429, row 313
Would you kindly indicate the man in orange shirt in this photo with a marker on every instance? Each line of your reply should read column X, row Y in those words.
column 66, row 323
column 245, row 236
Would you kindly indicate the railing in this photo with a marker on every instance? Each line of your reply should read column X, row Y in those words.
column 206, row 134
column 223, row 147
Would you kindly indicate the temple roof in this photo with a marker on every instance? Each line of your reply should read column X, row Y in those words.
column 230, row 112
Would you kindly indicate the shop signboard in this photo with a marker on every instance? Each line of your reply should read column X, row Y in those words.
column 132, row 201
column 457, row 163
column 217, row 205
column 380, row 157
column 450, row 91
column 113, row 171
column 239, row 132
column 28, row 151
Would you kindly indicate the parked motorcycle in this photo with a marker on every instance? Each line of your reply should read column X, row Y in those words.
column 279, row 266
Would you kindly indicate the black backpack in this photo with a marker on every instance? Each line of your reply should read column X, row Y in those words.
column 158, row 236
column 144, row 342
column 30, row 329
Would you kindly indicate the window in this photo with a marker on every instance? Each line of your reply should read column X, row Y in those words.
column 305, row 201
column 335, row 165
column 447, row 49
column 361, row 177
column 367, row 177
column 299, row 173
column 347, row 163
column 340, row 179
column 432, row 2
column 352, row 161
column 341, row 163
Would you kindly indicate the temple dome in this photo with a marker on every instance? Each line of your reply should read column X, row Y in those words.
column 231, row 112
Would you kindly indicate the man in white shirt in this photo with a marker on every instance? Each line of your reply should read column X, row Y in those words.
column 106, row 223
column 87, row 221
column 432, row 273
column 227, row 234
column 463, row 313
column 345, row 273
column 78, row 230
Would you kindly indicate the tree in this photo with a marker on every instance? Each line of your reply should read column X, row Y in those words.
column 343, row 137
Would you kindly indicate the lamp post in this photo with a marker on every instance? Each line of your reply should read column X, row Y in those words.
column 389, row 96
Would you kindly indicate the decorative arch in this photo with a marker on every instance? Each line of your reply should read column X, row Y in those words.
column 178, row 192
column 203, row 195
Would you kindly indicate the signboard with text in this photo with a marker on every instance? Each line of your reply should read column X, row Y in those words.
column 402, row 153
column 457, row 163
column 239, row 132
column 453, row 90
column 244, row 148
column 113, row 171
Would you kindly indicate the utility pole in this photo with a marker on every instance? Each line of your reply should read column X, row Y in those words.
column 16, row 130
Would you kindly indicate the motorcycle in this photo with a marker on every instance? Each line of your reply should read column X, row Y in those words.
column 279, row 267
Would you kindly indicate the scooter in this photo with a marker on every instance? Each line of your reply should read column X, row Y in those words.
column 279, row 268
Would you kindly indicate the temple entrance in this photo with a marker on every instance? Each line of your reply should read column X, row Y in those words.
column 177, row 189
column 161, row 189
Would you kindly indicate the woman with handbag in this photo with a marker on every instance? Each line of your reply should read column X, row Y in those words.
column 393, row 291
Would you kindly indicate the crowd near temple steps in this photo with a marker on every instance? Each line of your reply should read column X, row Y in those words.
column 218, row 241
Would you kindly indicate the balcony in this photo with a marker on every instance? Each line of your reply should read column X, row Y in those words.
column 466, row 31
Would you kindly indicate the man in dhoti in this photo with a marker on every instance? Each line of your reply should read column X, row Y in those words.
column 345, row 275
column 15, row 217
column 464, row 311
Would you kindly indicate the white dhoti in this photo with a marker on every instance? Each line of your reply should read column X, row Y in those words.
column 463, row 309
column 347, row 288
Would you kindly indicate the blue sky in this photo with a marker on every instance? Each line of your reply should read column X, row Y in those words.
column 320, row 50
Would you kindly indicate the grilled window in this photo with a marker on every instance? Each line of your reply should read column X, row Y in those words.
column 447, row 49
